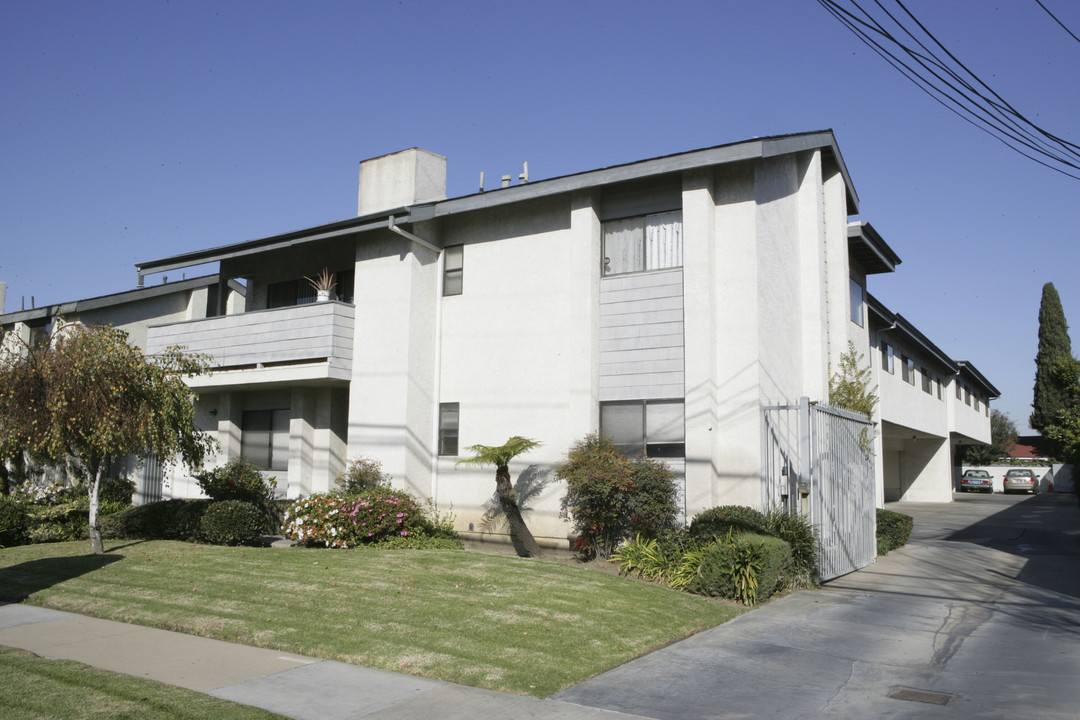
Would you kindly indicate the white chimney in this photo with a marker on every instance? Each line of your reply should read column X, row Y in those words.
column 401, row 179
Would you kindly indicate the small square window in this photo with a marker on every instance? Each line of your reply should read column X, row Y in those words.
column 453, row 269
column 449, row 417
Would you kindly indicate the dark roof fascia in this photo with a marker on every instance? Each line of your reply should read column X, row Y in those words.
column 898, row 324
column 969, row 370
column 275, row 242
column 757, row 148
column 872, row 251
column 102, row 301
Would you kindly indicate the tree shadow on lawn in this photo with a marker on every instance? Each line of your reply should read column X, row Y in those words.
column 18, row 582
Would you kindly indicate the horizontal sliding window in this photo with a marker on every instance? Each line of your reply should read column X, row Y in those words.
column 653, row 427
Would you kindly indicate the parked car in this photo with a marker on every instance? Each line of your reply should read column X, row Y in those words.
column 1024, row 480
column 976, row 481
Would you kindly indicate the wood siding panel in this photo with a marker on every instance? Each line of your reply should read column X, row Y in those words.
column 641, row 336
column 304, row 332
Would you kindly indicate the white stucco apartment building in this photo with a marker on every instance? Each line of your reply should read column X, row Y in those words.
column 663, row 302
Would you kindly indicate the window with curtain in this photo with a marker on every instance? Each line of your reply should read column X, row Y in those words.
column 645, row 242
column 264, row 438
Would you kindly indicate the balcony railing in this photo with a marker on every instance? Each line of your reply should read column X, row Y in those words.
column 302, row 334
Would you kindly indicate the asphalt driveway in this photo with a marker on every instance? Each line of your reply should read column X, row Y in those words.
column 978, row 616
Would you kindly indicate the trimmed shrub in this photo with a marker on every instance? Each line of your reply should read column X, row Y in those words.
column 363, row 474
column 747, row 567
column 231, row 522
column 716, row 523
column 420, row 541
column 14, row 522
column 893, row 530
column 116, row 490
column 66, row 521
column 238, row 479
column 162, row 520
column 610, row 497
column 342, row 522
column 797, row 530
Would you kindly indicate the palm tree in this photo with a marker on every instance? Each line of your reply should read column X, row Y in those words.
column 500, row 457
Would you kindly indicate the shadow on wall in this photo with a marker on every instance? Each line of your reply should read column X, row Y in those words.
column 528, row 487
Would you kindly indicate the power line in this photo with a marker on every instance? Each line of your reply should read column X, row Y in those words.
column 1063, row 27
column 925, row 61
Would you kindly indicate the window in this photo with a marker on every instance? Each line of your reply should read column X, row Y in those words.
column 264, row 438
column 886, row 357
column 453, row 271
column 967, row 396
column 655, row 427
column 645, row 242
column 449, row 415
column 925, row 381
column 959, row 392
column 856, row 302
column 940, row 391
column 908, row 369
column 977, row 403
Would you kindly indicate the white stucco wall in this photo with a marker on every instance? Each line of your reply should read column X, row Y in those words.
column 518, row 350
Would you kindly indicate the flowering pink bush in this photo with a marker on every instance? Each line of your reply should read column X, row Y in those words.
column 333, row 521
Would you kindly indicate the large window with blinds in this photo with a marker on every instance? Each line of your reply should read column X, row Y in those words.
column 644, row 242
column 653, row 427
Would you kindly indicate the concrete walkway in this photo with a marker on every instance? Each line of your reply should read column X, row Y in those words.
column 292, row 685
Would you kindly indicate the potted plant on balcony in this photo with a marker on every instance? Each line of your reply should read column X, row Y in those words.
column 323, row 283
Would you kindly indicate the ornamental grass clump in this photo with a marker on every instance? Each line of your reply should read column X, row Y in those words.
column 344, row 522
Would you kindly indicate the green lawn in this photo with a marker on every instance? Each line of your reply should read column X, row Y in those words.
column 33, row 688
column 505, row 623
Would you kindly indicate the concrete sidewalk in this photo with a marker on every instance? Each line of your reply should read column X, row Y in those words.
column 292, row 685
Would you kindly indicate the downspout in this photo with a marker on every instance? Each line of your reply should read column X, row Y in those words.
column 406, row 234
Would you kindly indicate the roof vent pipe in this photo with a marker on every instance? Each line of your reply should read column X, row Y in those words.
column 506, row 181
column 524, row 176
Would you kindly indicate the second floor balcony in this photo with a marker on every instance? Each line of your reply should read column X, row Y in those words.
column 304, row 343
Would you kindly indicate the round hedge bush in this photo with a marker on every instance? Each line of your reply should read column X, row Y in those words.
column 770, row 556
column 716, row 522
column 231, row 522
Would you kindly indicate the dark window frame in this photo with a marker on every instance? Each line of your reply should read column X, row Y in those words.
column 449, row 428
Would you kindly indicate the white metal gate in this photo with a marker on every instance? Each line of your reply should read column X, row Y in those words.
column 814, row 461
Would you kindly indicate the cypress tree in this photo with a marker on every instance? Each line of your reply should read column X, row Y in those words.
column 1050, row 397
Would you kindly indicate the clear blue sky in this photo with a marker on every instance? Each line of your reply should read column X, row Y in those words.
column 136, row 130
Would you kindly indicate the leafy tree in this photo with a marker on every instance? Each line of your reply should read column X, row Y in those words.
column 849, row 388
column 1054, row 347
column 87, row 394
column 1064, row 431
column 500, row 457
column 1002, row 441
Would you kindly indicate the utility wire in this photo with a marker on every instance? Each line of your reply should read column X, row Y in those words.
column 1063, row 27
column 933, row 69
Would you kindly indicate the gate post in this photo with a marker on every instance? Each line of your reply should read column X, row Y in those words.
column 802, row 489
